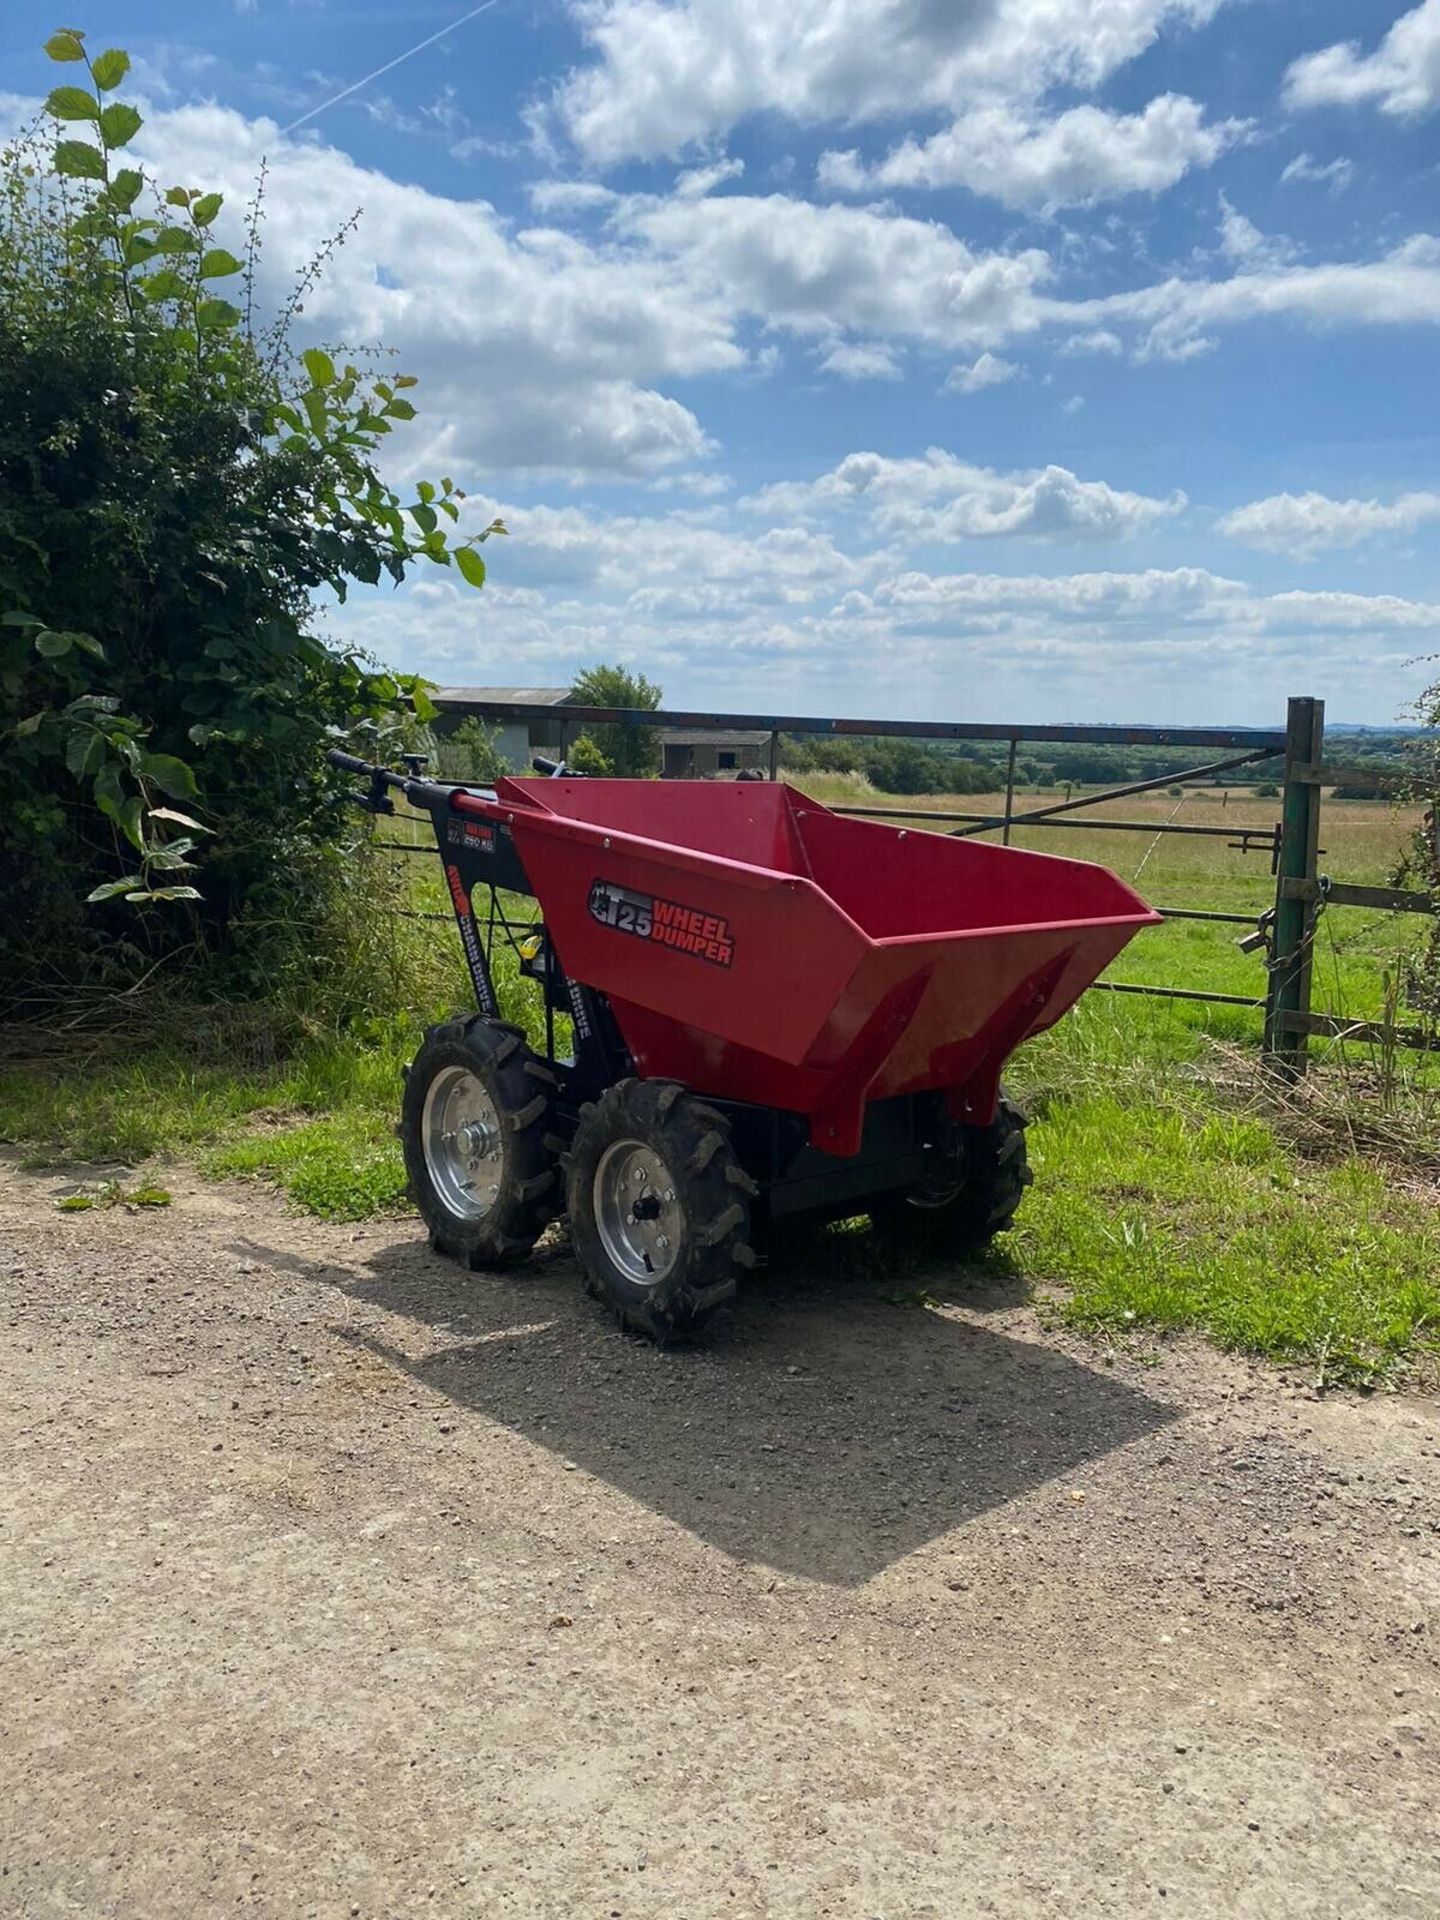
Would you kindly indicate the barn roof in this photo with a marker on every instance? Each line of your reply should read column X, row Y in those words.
column 501, row 696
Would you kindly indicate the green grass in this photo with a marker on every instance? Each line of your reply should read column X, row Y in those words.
column 1162, row 1213
column 1171, row 1193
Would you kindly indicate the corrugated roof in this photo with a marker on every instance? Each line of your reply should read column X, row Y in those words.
column 501, row 696
column 710, row 737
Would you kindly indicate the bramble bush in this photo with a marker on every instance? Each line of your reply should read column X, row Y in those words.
column 178, row 488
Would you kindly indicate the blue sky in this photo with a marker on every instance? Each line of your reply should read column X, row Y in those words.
column 1033, row 359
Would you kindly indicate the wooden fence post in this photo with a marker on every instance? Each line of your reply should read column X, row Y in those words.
column 1297, row 887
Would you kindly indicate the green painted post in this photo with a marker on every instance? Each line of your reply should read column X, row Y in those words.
column 1296, row 886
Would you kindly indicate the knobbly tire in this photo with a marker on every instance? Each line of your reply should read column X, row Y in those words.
column 659, row 1207
column 473, row 1122
column 979, row 1180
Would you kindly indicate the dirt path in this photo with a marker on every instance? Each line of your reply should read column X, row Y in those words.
column 336, row 1582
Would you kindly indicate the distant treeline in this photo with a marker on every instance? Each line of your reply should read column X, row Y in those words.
column 962, row 766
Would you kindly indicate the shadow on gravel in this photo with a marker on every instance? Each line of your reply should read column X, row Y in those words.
column 834, row 1421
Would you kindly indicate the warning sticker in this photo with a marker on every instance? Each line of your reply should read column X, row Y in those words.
column 664, row 923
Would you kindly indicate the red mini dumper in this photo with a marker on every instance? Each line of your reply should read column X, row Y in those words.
column 773, row 1011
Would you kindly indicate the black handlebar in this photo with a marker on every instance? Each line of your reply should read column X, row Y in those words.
column 347, row 763
column 374, row 798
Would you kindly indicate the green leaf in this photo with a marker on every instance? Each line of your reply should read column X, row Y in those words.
column 314, row 405
column 137, row 248
column 171, row 774
column 110, row 68
column 425, row 708
column 75, row 1202
column 148, row 1196
column 472, row 567
column 319, row 366
column 181, row 819
column 171, row 858
column 204, row 210
column 125, row 188
column 32, row 723
column 401, row 409
column 66, row 44
column 78, row 160
column 87, row 643
column 176, row 240
column 84, row 753
column 54, row 645
column 109, row 788
column 426, row 491
column 424, row 518
column 212, row 316
column 407, row 379
column 168, row 893
column 17, row 619
column 177, row 196
column 215, row 264
column 129, row 822
column 72, row 103
column 165, row 285
column 111, row 888
column 119, row 122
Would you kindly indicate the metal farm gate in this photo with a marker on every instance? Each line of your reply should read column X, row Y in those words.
column 1285, row 931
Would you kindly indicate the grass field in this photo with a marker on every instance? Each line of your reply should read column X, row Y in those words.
column 1173, row 1189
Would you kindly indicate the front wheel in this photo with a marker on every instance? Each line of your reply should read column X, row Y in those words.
column 975, row 1185
column 473, row 1124
column 659, row 1207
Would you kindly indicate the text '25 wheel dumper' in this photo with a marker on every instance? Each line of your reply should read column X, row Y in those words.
column 775, row 1012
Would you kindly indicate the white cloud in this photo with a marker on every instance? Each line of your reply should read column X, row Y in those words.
column 538, row 351
column 942, row 499
column 1303, row 524
column 1074, row 404
column 1081, row 156
column 1402, row 288
column 812, row 269
column 1402, row 75
column 1336, row 174
column 702, row 180
column 669, row 74
column 1243, row 242
column 1182, row 644
column 1101, row 340
column 855, row 360
column 989, row 370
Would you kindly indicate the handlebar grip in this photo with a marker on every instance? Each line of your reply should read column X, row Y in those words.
column 347, row 763
column 542, row 765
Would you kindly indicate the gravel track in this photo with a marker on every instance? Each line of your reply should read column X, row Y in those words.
column 334, row 1581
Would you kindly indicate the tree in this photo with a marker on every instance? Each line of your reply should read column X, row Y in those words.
column 471, row 756
column 1419, row 868
column 583, row 756
column 633, row 752
column 176, row 487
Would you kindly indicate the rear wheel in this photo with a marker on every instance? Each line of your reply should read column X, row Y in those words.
column 472, row 1125
column 976, row 1182
column 659, row 1207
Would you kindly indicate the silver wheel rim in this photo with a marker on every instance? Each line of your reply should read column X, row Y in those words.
column 637, row 1212
column 463, row 1143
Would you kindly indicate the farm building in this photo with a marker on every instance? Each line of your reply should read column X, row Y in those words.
column 515, row 739
column 703, row 753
